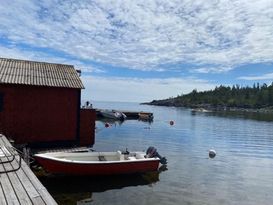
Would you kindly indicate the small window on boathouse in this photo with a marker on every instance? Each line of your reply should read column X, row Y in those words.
column 1, row 102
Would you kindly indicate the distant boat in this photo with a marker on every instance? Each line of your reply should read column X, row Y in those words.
column 100, row 163
column 200, row 110
column 113, row 114
column 145, row 116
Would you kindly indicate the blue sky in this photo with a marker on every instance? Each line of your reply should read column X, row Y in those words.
column 143, row 50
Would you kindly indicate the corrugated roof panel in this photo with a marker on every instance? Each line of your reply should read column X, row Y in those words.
column 18, row 71
column 39, row 76
column 52, row 77
column 14, row 71
column 35, row 78
column 3, row 74
column 16, row 77
column 24, row 77
column 11, row 73
column 1, row 70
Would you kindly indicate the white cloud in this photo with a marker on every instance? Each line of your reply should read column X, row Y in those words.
column 11, row 52
column 268, row 76
column 137, row 89
column 146, row 34
column 219, row 69
column 16, row 53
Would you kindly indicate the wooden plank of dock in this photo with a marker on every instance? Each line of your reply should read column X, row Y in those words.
column 20, row 187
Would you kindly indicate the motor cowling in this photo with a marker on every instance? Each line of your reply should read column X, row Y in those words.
column 152, row 152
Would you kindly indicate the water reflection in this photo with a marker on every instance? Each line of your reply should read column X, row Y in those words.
column 148, row 121
column 238, row 114
column 72, row 190
column 110, row 121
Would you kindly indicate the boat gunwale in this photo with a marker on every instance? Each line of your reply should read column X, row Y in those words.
column 44, row 156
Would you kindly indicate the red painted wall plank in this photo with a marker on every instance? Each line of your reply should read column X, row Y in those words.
column 34, row 114
column 87, row 127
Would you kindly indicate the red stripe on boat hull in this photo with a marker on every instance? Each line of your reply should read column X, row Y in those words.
column 59, row 167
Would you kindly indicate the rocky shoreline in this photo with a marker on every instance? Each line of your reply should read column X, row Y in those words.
column 209, row 107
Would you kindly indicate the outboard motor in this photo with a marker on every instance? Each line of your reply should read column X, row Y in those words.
column 126, row 152
column 152, row 152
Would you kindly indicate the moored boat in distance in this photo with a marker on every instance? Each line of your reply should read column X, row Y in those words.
column 113, row 114
column 145, row 116
column 200, row 110
column 100, row 163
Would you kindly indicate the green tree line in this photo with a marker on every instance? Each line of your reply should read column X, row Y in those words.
column 257, row 96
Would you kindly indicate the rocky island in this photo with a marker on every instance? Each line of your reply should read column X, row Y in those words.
column 252, row 99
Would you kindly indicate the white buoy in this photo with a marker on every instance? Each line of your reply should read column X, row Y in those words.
column 212, row 153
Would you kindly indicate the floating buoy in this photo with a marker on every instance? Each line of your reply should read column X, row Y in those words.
column 212, row 153
column 171, row 122
column 107, row 125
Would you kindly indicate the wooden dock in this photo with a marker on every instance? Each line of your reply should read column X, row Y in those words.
column 135, row 115
column 18, row 184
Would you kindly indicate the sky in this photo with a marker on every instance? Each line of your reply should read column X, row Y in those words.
column 141, row 50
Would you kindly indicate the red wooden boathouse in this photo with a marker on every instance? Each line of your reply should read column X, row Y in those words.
column 40, row 104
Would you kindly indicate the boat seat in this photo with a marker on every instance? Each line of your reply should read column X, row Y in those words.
column 120, row 155
column 140, row 156
column 102, row 158
column 131, row 158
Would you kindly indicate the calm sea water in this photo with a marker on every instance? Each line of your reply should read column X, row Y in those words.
column 241, row 172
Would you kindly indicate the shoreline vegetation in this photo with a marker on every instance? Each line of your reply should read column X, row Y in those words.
column 225, row 98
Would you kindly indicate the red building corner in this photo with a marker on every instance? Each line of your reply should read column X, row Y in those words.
column 40, row 104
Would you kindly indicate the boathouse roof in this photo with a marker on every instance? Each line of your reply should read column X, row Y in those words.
column 24, row 72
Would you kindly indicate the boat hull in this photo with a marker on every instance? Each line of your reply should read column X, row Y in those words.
column 68, row 168
column 113, row 115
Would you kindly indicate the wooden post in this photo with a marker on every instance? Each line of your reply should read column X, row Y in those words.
column 26, row 155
